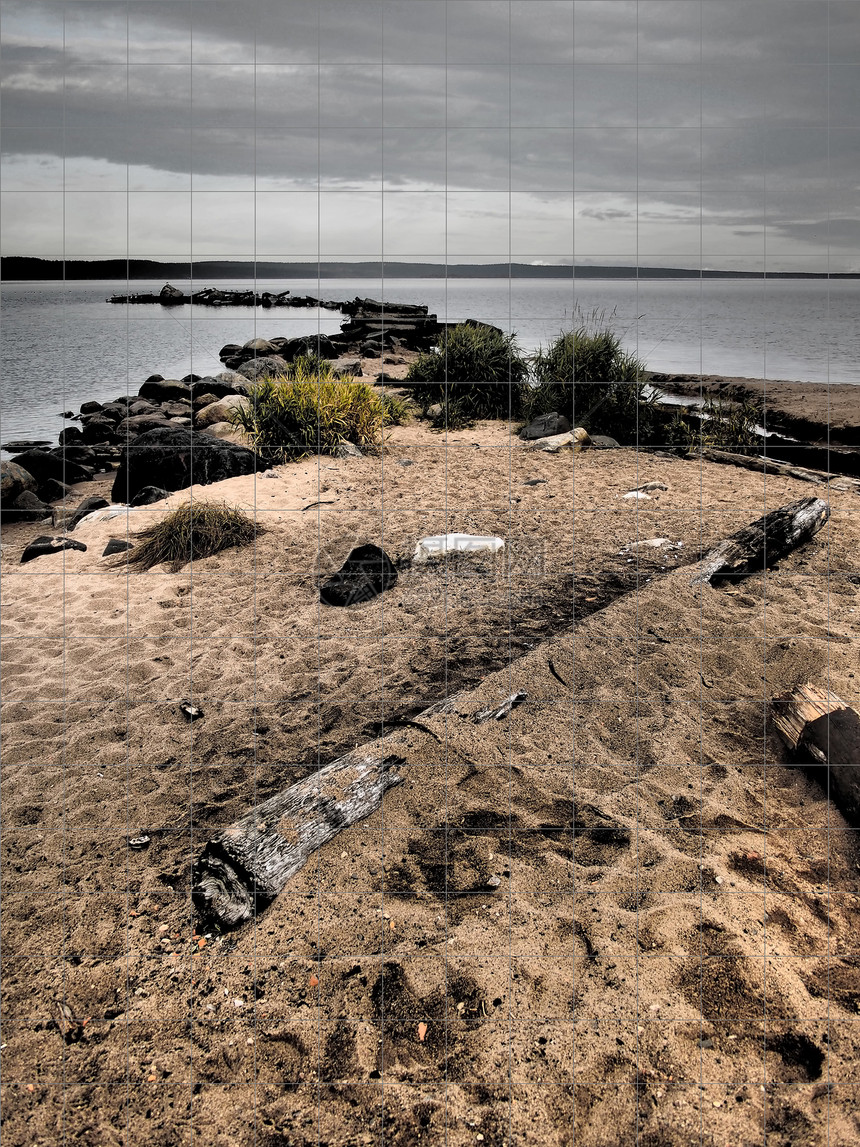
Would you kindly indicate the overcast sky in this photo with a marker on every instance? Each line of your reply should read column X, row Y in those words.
column 719, row 133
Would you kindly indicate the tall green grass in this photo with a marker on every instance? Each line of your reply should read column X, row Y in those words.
column 475, row 372
column 311, row 411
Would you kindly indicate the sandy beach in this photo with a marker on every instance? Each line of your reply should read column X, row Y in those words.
column 683, row 967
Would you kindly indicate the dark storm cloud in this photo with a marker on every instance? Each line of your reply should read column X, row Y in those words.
column 668, row 99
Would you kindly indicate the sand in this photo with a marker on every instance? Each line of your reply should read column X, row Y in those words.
column 684, row 968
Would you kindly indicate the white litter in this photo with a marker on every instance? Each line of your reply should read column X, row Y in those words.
column 441, row 544
column 636, row 496
column 108, row 513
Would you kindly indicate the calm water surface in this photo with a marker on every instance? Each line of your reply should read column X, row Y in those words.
column 63, row 344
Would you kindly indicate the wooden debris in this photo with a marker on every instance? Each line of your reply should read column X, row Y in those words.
column 503, row 710
column 756, row 546
column 818, row 724
column 781, row 469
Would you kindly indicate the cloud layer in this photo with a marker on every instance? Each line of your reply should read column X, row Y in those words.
column 664, row 131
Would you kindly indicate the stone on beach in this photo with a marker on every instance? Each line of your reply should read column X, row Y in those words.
column 46, row 544
column 174, row 458
column 14, row 480
column 545, row 426
column 165, row 390
column 221, row 410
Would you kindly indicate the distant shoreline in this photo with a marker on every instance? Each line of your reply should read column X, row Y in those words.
column 22, row 269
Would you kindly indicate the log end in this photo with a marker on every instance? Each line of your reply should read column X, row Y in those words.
column 220, row 890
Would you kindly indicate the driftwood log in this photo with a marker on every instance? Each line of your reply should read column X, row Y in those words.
column 754, row 547
column 780, row 469
column 817, row 724
column 244, row 867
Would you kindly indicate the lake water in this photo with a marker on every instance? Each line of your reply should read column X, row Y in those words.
column 63, row 343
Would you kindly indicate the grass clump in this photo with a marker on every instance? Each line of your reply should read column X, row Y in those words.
column 586, row 375
column 721, row 426
column 312, row 411
column 475, row 372
column 195, row 531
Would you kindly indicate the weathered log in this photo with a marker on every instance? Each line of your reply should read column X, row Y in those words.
column 781, row 469
column 243, row 868
column 756, row 546
column 819, row 725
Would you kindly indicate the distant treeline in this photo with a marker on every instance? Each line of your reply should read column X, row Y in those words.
column 17, row 267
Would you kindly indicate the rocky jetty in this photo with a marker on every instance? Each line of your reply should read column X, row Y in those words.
column 170, row 296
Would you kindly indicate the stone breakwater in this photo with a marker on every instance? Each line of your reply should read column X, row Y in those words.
column 370, row 326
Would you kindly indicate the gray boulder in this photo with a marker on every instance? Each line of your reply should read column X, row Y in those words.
column 176, row 458
column 259, row 347
column 604, row 442
column 545, row 426
column 90, row 407
column 222, row 410
column 269, row 366
column 14, row 480
column 140, row 423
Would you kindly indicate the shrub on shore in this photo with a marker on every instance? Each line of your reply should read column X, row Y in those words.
column 475, row 372
column 312, row 411
column 586, row 375
column 198, row 530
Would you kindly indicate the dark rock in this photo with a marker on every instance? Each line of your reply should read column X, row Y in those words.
column 155, row 378
column 544, row 426
column 45, row 464
column 318, row 346
column 114, row 410
column 140, row 423
column 79, row 452
column 190, row 379
column 231, row 350
column 70, row 434
column 26, row 507
column 176, row 409
column 14, row 480
column 86, row 507
column 367, row 572
column 175, row 458
column 168, row 390
column 142, row 406
column 268, row 366
column 54, row 491
column 90, row 407
column 170, row 295
column 68, row 414
column 25, row 444
column 99, row 430
column 216, row 389
column 47, row 544
column 148, row 495
column 604, row 442
column 116, row 546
